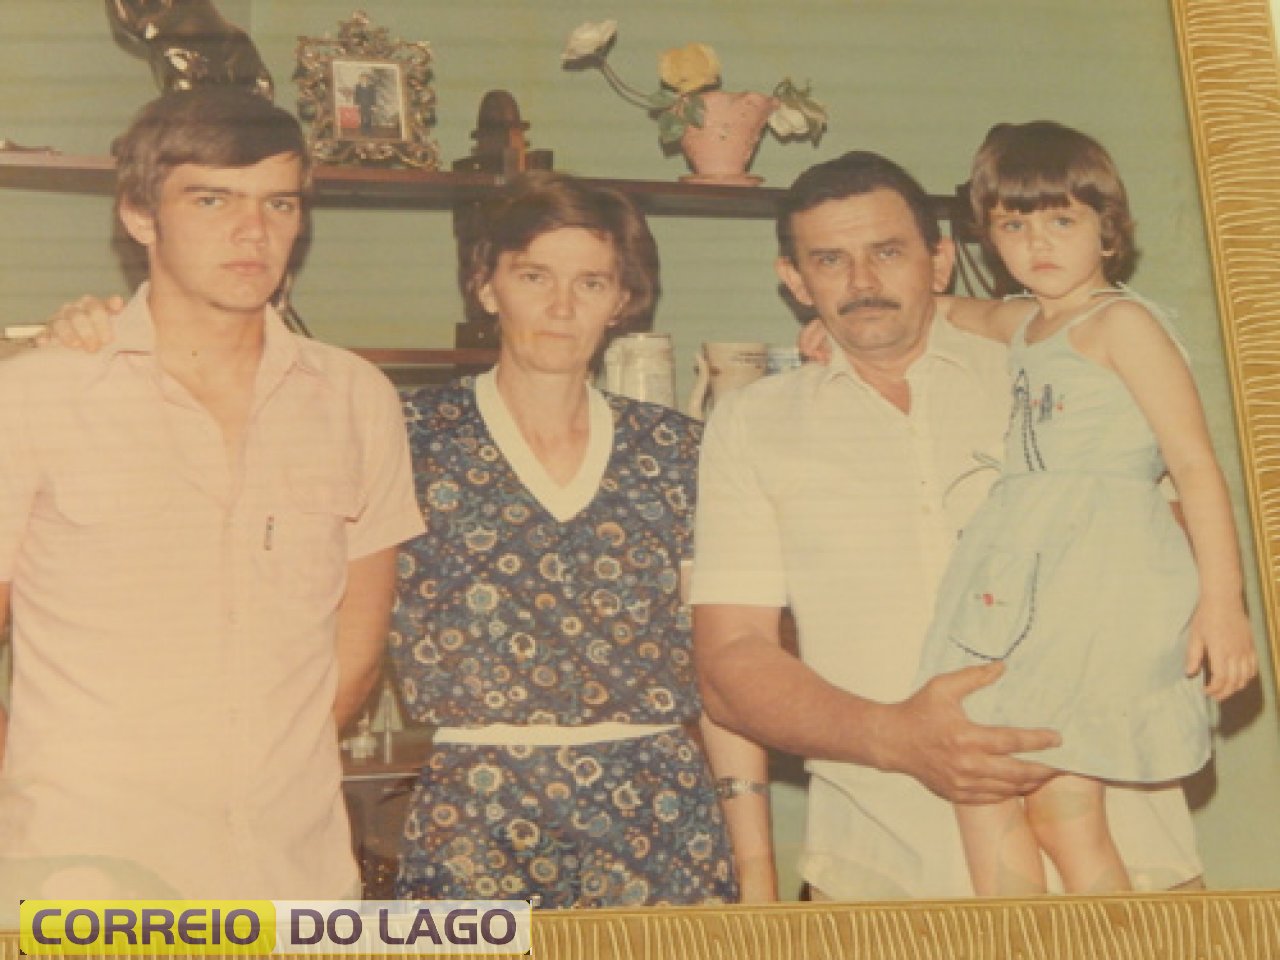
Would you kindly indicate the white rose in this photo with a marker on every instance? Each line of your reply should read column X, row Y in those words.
column 788, row 122
column 588, row 40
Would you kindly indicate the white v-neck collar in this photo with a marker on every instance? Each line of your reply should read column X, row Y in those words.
column 562, row 502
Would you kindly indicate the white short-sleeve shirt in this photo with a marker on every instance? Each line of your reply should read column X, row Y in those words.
column 817, row 493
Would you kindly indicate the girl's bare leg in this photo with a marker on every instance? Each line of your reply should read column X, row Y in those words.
column 1069, row 818
column 1002, row 851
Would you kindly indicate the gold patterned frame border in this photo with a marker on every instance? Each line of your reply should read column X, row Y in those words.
column 1233, row 95
column 1203, row 926
column 1232, row 87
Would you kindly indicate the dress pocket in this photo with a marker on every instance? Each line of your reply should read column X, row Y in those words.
column 997, row 606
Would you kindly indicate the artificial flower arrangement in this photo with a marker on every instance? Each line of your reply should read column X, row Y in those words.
column 686, row 73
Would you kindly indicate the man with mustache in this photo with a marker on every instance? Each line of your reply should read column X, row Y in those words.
column 839, row 490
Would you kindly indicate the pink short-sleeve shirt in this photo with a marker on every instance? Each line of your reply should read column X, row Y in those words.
column 174, row 618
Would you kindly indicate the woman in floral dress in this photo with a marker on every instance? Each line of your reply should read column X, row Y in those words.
column 540, row 624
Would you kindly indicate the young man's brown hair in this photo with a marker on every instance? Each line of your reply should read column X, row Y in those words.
column 215, row 126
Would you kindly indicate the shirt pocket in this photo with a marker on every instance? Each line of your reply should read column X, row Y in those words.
column 307, row 535
column 102, row 522
column 94, row 497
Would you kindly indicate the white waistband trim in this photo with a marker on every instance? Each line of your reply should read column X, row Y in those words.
column 547, row 734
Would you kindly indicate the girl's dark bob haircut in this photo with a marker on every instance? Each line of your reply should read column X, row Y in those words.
column 1041, row 165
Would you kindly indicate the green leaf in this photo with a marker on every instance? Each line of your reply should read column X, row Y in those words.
column 661, row 100
column 697, row 110
column 670, row 127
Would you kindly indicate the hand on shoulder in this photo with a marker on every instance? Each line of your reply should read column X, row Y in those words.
column 87, row 324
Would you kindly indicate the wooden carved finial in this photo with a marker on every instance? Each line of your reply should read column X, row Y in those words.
column 501, row 145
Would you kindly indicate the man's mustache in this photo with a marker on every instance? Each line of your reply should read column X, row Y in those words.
column 868, row 303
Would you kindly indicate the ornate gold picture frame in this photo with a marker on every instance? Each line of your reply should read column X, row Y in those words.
column 368, row 98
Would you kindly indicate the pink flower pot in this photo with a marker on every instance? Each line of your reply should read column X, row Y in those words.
column 721, row 149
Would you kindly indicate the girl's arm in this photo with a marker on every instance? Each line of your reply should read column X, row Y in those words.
column 993, row 319
column 1134, row 344
column 746, row 813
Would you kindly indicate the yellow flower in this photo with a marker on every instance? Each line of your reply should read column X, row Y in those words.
column 690, row 68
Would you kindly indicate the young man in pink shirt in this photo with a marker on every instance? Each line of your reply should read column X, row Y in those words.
column 198, row 528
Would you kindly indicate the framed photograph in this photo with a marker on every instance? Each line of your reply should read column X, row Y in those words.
column 368, row 100
column 368, row 97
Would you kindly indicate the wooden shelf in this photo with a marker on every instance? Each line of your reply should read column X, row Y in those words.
column 372, row 187
column 22, row 170
column 355, row 187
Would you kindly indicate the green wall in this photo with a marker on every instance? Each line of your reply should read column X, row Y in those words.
column 919, row 80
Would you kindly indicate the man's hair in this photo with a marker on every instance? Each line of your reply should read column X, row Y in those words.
column 538, row 202
column 854, row 174
column 1044, row 165
column 214, row 126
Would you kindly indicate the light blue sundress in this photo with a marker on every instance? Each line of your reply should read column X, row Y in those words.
column 1076, row 575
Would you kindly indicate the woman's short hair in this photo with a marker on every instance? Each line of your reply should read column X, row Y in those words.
column 1043, row 165
column 538, row 202
column 214, row 126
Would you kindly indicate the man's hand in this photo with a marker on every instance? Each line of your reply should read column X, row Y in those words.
column 86, row 324
column 929, row 737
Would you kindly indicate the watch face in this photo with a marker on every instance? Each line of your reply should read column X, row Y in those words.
column 729, row 787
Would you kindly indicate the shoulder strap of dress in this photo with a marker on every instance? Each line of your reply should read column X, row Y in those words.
column 1033, row 308
column 1164, row 316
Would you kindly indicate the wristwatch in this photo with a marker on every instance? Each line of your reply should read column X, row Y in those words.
column 729, row 787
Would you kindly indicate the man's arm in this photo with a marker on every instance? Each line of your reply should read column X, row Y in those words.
column 746, row 815
column 4, row 714
column 363, row 617
column 751, row 685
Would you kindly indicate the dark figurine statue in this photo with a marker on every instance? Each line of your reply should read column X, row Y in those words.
column 189, row 44
column 501, row 144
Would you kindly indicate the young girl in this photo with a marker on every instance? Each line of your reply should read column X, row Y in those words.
column 1074, row 573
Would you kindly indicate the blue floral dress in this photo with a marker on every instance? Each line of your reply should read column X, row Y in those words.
column 1075, row 574
column 505, row 614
